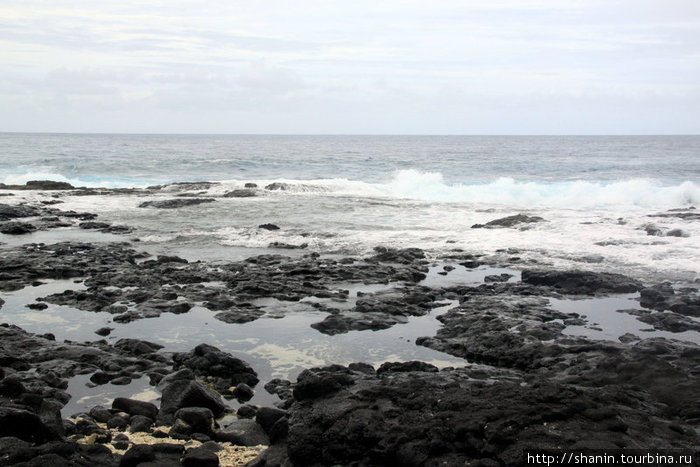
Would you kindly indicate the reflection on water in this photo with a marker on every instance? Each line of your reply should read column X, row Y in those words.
column 605, row 321
column 278, row 345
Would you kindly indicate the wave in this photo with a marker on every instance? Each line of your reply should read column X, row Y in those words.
column 93, row 182
column 432, row 187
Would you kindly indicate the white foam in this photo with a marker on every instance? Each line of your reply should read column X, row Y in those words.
column 576, row 194
column 21, row 179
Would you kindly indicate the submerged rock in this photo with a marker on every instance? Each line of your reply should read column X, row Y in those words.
column 246, row 193
column 509, row 221
column 175, row 203
column 16, row 228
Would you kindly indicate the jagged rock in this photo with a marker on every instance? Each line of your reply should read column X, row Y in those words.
column 207, row 360
column 16, row 228
column 240, row 194
column 183, row 392
column 200, row 419
column 12, row 212
column 582, row 282
column 175, row 203
column 243, row 433
column 509, row 221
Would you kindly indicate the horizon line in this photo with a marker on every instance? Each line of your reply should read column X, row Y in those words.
column 117, row 133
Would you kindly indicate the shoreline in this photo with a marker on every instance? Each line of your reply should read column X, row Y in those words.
column 527, row 382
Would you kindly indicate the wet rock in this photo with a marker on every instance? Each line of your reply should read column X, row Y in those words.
column 653, row 230
column 91, row 225
column 267, row 417
column 183, row 392
column 247, row 411
column 582, row 282
column 137, row 346
column 199, row 419
column 135, row 407
column 628, row 337
column 25, row 425
column 399, row 367
column 449, row 418
column 318, row 382
column 668, row 321
column 140, row 424
column 48, row 185
column 393, row 255
column 207, row 360
column 200, row 457
column 278, row 186
column 664, row 296
column 505, row 277
column 677, row 233
column 240, row 314
column 117, row 422
column 243, row 392
column 137, row 454
column 100, row 414
column 268, row 227
column 509, row 221
column 12, row 212
column 243, row 433
column 12, row 387
column 175, row 203
column 16, row 228
column 104, row 331
column 282, row 388
column 682, row 213
column 287, row 246
column 240, row 194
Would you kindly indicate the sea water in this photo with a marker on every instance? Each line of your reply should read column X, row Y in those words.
column 345, row 195
column 348, row 194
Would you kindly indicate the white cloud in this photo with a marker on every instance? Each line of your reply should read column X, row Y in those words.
column 345, row 67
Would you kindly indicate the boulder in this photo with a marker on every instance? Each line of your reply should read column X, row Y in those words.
column 509, row 221
column 200, row 457
column 207, row 360
column 200, row 419
column 140, row 424
column 25, row 425
column 175, row 203
column 183, row 393
column 137, row 454
column 240, row 194
column 135, row 407
column 243, row 433
column 17, row 228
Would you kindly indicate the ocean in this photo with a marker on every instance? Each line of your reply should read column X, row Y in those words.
column 599, row 198
column 348, row 194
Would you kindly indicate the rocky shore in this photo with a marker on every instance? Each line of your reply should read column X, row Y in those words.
column 527, row 384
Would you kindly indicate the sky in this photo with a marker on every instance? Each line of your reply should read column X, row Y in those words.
column 351, row 67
